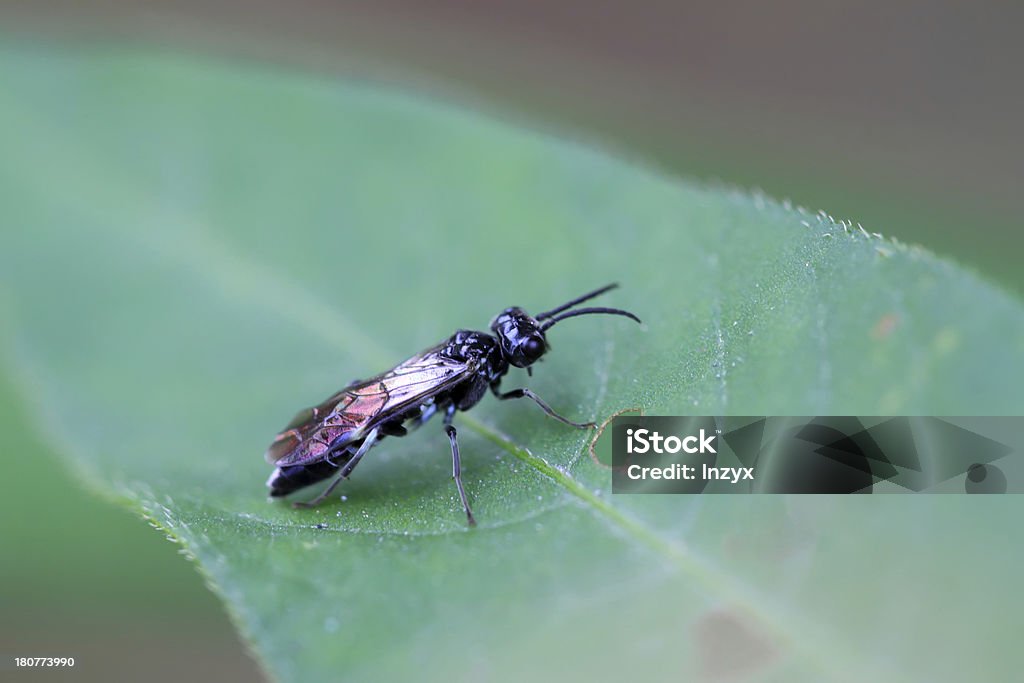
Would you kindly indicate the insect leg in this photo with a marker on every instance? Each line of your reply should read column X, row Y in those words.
column 526, row 393
column 367, row 444
column 456, row 464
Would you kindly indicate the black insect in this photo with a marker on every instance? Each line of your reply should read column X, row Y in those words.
column 330, row 439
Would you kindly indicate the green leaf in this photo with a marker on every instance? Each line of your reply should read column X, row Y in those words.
column 194, row 251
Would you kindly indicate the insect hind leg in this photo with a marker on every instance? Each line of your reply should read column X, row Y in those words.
column 367, row 444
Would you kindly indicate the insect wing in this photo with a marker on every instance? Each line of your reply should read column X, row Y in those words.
column 311, row 432
column 349, row 414
column 416, row 380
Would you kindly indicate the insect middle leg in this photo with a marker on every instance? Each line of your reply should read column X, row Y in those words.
column 456, row 464
column 526, row 393
column 346, row 470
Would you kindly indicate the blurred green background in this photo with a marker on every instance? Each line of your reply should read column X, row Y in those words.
column 902, row 116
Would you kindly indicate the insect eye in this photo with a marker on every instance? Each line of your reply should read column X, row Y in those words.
column 533, row 348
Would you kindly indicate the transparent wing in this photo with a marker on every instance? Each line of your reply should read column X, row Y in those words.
column 349, row 414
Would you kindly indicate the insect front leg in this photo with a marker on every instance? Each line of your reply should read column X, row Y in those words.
column 456, row 464
column 346, row 470
column 526, row 393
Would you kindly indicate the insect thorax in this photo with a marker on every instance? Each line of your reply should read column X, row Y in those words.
column 469, row 345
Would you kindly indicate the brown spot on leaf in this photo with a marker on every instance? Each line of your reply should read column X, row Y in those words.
column 731, row 647
column 599, row 432
column 885, row 326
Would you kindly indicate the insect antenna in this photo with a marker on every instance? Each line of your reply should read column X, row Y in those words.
column 577, row 301
column 588, row 311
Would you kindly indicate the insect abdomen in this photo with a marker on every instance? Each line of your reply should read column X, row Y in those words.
column 290, row 478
